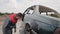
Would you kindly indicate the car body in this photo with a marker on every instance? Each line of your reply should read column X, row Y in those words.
column 41, row 24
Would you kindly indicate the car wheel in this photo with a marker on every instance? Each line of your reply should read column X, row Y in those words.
column 27, row 28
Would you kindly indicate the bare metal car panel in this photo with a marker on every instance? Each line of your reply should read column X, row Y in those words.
column 41, row 24
column 38, row 22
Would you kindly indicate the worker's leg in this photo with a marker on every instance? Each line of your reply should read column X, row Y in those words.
column 7, row 31
column 4, row 31
column 11, row 31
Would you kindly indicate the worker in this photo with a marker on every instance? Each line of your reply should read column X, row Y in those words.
column 10, row 23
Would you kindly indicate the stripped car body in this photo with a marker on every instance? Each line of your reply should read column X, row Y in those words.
column 41, row 24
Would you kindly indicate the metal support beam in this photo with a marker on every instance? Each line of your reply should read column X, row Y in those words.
column 36, row 9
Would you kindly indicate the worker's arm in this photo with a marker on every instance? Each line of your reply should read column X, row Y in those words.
column 14, row 27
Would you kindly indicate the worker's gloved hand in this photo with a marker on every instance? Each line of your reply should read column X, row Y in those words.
column 14, row 30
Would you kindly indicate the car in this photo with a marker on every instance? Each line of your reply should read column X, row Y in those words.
column 41, row 24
